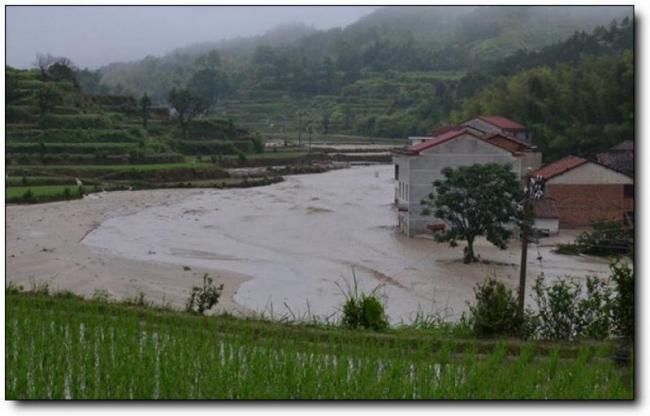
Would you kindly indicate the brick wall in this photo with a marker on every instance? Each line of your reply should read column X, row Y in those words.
column 581, row 205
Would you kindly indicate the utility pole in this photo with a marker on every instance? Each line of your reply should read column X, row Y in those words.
column 299, row 126
column 525, row 229
column 533, row 191
column 309, row 151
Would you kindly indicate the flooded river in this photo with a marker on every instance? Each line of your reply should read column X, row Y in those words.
column 301, row 239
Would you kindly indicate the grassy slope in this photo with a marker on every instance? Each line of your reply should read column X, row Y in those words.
column 39, row 190
column 138, row 352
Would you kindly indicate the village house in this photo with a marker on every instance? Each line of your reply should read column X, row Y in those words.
column 418, row 166
column 619, row 157
column 585, row 192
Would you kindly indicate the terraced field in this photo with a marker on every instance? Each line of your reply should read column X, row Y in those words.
column 64, row 347
column 57, row 135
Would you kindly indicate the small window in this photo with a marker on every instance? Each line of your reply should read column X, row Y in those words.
column 628, row 191
column 396, row 171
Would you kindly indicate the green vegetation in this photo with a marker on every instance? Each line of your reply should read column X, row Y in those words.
column 495, row 310
column 363, row 310
column 58, row 134
column 605, row 238
column 565, row 309
column 575, row 108
column 63, row 347
column 204, row 298
column 402, row 71
column 46, row 193
column 476, row 200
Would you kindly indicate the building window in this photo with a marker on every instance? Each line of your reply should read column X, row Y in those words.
column 628, row 191
column 397, row 172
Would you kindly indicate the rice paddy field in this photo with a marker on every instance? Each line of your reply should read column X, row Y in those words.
column 64, row 347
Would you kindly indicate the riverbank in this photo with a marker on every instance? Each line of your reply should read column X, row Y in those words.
column 44, row 245
column 283, row 249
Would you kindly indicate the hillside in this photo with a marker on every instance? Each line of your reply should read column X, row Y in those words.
column 396, row 72
column 56, row 135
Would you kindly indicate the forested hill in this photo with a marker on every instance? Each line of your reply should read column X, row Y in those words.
column 401, row 70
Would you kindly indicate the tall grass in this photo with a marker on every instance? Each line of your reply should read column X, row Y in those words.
column 65, row 347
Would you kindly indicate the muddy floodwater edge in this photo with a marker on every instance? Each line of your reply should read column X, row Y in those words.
column 285, row 249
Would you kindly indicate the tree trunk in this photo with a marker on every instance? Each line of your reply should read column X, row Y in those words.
column 469, row 252
column 184, row 125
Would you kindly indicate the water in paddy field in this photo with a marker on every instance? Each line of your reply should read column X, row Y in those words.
column 300, row 238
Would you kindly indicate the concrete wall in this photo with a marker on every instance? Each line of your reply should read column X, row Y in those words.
column 591, row 174
column 418, row 172
column 530, row 162
column 550, row 224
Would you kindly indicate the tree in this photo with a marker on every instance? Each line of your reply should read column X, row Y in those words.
column 210, row 60
column 145, row 108
column 48, row 98
column 205, row 84
column 477, row 200
column 12, row 92
column 326, row 122
column 187, row 107
column 56, row 68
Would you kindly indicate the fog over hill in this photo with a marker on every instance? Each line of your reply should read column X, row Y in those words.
column 93, row 36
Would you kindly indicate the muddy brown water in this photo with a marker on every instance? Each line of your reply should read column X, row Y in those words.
column 301, row 239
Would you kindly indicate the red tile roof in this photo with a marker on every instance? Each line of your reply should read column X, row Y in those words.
column 520, row 142
column 559, row 167
column 502, row 122
column 435, row 141
column 452, row 134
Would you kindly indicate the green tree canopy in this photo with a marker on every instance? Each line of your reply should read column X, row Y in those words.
column 476, row 200
column 187, row 107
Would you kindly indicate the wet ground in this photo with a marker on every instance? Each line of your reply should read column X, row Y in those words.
column 301, row 239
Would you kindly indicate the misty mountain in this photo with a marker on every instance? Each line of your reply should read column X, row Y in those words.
column 391, row 38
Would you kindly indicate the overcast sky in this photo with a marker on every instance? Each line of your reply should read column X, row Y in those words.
column 93, row 36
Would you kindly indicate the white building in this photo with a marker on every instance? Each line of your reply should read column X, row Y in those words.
column 416, row 167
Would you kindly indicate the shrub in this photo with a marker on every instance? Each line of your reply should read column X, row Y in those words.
column 557, row 306
column 607, row 238
column 103, row 296
column 28, row 196
column 257, row 144
column 623, row 302
column 204, row 298
column 594, row 310
column 363, row 310
column 563, row 313
column 495, row 311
